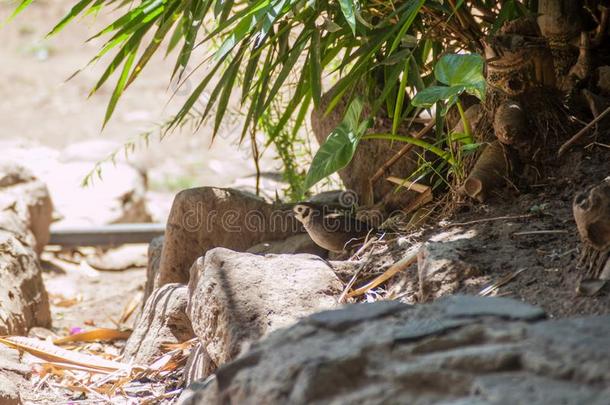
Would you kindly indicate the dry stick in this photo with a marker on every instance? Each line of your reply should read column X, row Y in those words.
column 581, row 133
column 349, row 285
column 503, row 281
column 549, row 232
column 391, row 272
column 401, row 152
column 478, row 221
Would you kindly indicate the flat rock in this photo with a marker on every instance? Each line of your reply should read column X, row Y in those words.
column 117, row 195
column 422, row 355
column 236, row 298
column 343, row 318
column 473, row 306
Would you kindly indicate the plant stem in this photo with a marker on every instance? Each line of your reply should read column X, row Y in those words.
column 417, row 142
column 467, row 129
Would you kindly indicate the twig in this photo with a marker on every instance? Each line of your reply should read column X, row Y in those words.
column 349, row 285
column 478, row 221
column 548, row 232
column 389, row 273
column 581, row 133
column 503, row 281
column 409, row 185
column 380, row 172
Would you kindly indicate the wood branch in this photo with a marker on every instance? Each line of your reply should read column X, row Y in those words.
column 388, row 274
column 409, row 185
column 581, row 133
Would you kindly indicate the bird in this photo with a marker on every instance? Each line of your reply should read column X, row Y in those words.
column 332, row 231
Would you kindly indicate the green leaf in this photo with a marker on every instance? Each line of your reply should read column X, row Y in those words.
column 347, row 8
column 76, row 10
column 22, row 6
column 340, row 146
column 462, row 70
column 315, row 66
column 431, row 95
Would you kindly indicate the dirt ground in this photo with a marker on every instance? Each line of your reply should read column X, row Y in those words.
column 497, row 239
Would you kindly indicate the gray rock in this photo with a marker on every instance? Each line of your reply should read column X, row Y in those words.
column 163, row 320
column 473, row 306
column 120, row 258
column 343, row 318
column 208, row 217
column 441, row 269
column 301, row 243
column 23, row 299
column 152, row 268
column 25, row 205
column 236, row 298
column 421, row 355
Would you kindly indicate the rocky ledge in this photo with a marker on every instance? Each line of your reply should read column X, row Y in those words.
column 457, row 350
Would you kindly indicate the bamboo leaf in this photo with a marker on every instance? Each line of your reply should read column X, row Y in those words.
column 315, row 68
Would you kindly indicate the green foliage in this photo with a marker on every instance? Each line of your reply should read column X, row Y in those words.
column 339, row 147
column 270, row 50
column 460, row 73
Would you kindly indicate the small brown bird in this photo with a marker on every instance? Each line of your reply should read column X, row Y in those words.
column 332, row 231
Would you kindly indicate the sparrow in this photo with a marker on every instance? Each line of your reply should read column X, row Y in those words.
column 332, row 231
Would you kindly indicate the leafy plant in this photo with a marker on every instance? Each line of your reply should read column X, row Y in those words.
column 460, row 72
column 269, row 50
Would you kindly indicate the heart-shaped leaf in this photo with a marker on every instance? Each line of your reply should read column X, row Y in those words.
column 431, row 95
column 339, row 148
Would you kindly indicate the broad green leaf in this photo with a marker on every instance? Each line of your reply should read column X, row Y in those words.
column 339, row 148
column 429, row 96
column 462, row 70
column 347, row 8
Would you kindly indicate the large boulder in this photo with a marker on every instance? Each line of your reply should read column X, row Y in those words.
column 23, row 299
column 458, row 350
column 237, row 298
column 25, row 205
column 163, row 321
column 25, row 215
column 116, row 195
column 208, row 217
